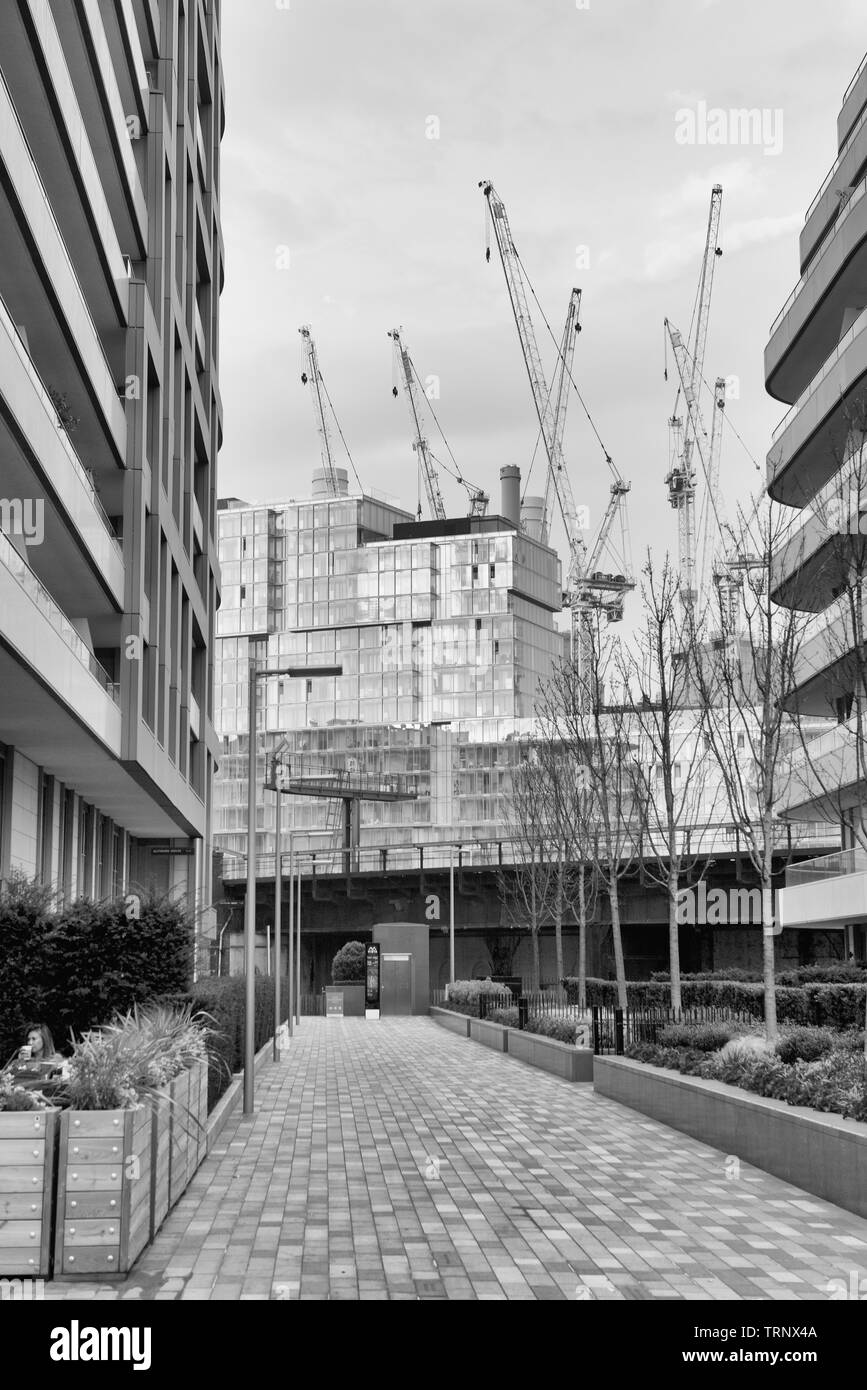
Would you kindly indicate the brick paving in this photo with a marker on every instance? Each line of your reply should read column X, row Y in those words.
column 394, row 1160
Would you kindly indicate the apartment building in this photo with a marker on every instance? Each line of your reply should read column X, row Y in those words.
column 816, row 363
column 443, row 632
column 111, row 115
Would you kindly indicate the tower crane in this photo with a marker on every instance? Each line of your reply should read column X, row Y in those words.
column 563, row 375
column 681, row 478
column 587, row 587
column 478, row 498
column 311, row 375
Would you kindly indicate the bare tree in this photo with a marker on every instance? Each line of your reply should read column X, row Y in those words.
column 573, row 715
column 674, row 794
column 528, row 889
column 743, row 675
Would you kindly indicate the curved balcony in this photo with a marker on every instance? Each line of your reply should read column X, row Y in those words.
column 808, row 443
column 844, row 172
column 824, row 666
column 807, row 328
column 827, row 775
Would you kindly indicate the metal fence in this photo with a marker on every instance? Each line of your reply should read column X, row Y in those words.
column 613, row 1030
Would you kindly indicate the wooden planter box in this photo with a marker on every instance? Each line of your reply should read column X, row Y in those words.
column 104, row 1190
column 28, row 1147
column 182, row 1138
column 161, row 1133
column 199, row 1089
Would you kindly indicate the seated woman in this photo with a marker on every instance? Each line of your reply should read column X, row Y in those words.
column 38, row 1057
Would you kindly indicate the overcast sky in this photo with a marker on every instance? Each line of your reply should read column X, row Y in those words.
column 572, row 113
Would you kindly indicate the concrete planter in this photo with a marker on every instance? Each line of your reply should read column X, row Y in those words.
column 494, row 1035
column 104, row 1190
column 559, row 1058
column 820, row 1152
column 456, row 1023
column 28, row 1146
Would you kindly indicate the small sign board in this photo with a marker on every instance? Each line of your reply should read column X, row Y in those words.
column 371, row 980
column 169, row 849
column 334, row 1003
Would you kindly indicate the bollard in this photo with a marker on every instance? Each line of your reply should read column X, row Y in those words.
column 523, row 1010
column 597, row 1031
column 483, row 1006
column 618, row 1032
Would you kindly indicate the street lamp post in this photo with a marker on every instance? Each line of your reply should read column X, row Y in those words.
column 452, row 914
column 250, row 904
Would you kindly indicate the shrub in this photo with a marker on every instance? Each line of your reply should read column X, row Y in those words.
column 508, row 1017
column 549, row 1026
column 347, row 968
column 24, row 921
column 846, row 973
column 700, row 1037
column 463, row 996
column 731, row 972
column 223, row 1000
column 804, row 1044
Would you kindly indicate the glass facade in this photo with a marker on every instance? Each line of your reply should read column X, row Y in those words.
column 442, row 640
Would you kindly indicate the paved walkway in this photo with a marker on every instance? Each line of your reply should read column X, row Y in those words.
column 396, row 1160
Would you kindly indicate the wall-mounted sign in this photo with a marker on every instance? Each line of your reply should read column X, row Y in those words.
column 371, row 980
column 169, row 849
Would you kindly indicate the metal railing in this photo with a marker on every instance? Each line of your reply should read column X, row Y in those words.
column 820, row 251
column 841, row 155
column 613, row 1029
column 850, row 89
column 38, row 594
column 51, row 410
column 845, row 861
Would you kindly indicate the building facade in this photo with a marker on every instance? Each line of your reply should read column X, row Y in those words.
column 816, row 363
column 111, row 116
column 442, row 632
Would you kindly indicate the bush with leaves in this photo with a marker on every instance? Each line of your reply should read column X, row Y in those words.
column 700, row 1037
column 348, row 965
column 462, row 997
column 563, row 1030
column 24, row 922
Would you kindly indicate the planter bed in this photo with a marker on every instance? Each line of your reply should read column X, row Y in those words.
column 104, row 1190
column 28, row 1143
column 562, row 1059
column 494, row 1035
column 456, row 1023
column 821, row 1152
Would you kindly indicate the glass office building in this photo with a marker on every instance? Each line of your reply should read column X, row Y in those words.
column 443, row 632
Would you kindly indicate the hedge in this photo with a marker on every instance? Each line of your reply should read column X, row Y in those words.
column 224, row 1000
column 75, row 968
column 822, row 1005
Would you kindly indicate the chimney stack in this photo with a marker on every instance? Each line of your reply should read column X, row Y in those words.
column 510, row 494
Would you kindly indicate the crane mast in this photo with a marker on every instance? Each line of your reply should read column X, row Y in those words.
column 587, row 588
column 312, row 376
column 420, row 443
column 541, row 395
column 710, row 518
column 681, row 479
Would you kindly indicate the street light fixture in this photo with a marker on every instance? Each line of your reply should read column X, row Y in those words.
column 256, row 675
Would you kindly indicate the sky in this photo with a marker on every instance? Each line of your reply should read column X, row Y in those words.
column 357, row 134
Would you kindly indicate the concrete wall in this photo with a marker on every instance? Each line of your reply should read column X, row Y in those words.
column 25, row 803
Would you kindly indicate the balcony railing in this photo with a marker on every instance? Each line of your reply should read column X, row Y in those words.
column 819, row 253
column 50, row 409
column 38, row 594
column 845, row 861
column 847, row 145
column 849, row 90
column 830, row 362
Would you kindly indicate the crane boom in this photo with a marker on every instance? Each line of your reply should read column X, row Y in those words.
column 710, row 518
column 541, row 395
column 562, row 378
column 312, row 376
column 420, row 443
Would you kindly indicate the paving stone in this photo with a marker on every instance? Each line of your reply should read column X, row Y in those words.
column 546, row 1190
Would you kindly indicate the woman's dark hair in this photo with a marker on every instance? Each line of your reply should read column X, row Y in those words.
column 47, row 1040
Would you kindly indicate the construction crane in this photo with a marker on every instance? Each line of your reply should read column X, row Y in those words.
column 685, row 437
column 478, row 498
column 563, row 375
column 311, row 376
column 587, row 587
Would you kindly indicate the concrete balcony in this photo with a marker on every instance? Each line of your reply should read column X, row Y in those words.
column 819, row 538
column 808, row 443
column 830, row 891
column 824, row 665
column 807, row 329
column 843, row 174
column 89, row 59
column 827, row 775
column 44, row 297
column 853, row 103
column 38, row 79
column 79, row 555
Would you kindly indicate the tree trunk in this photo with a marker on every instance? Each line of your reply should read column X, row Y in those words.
column 536, row 962
column 673, row 941
column 534, row 927
column 619, row 967
column 558, row 922
column 582, row 942
column 768, row 964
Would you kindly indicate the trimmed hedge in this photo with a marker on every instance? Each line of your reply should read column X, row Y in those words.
column 822, row 1005
column 463, row 996
column 74, row 969
column 224, row 1000
column 348, row 965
